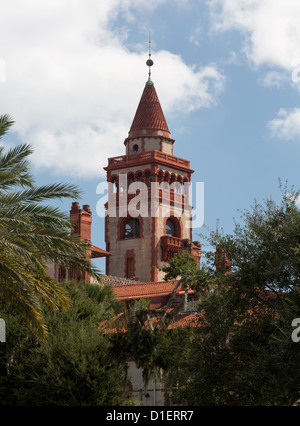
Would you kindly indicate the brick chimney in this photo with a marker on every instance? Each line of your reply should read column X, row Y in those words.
column 81, row 220
column 223, row 264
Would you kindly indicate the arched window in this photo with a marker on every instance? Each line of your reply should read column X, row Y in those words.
column 148, row 179
column 173, row 228
column 185, row 186
column 132, row 228
column 139, row 177
column 170, row 228
column 114, row 181
column 130, row 179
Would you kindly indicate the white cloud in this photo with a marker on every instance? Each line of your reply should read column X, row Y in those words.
column 196, row 36
column 271, row 28
column 73, row 88
column 274, row 79
column 271, row 34
column 287, row 124
column 183, row 88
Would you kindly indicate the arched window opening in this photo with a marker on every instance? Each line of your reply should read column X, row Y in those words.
column 114, row 181
column 170, row 228
column 160, row 176
column 130, row 179
column 173, row 227
column 139, row 177
column 148, row 179
column 185, row 187
column 176, row 187
column 132, row 228
column 172, row 182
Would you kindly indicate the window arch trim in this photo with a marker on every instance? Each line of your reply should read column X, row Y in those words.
column 177, row 226
column 122, row 227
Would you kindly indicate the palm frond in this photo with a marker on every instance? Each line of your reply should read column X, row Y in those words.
column 5, row 123
column 41, row 193
column 14, row 167
column 31, row 233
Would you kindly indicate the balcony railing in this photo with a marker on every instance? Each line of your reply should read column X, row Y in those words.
column 169, row 247
column 148, row 156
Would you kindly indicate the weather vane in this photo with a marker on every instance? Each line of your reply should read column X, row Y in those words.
column 149, row 62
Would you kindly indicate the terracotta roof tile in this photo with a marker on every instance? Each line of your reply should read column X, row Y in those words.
column 149, row 114
column 151, row 289
column 98, row 252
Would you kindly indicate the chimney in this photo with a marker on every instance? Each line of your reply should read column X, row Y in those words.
column 81, row 220
column 223, row 264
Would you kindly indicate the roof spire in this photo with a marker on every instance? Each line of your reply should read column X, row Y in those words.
column 149, row 63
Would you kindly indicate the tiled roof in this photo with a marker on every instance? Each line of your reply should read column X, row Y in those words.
column 135, row 290
column 149, row 114
column 187, row 319
column 98, row 252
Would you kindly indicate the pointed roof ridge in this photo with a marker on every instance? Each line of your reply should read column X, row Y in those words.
column 149, row 118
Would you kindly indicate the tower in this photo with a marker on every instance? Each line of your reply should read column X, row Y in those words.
column 148, row 214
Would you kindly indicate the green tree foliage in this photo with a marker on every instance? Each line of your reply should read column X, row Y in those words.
column 183, row 270
column 242, row 352
column 144, row 335
column 73, row 366
column 32, row 232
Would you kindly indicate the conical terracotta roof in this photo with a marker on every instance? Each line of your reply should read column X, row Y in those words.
column 149, row 118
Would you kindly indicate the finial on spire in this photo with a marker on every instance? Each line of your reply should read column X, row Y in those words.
column 149, row 62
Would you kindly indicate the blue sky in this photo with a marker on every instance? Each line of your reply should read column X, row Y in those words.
column 227, row 74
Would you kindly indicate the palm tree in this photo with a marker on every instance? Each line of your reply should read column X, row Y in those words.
column 30, row 233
